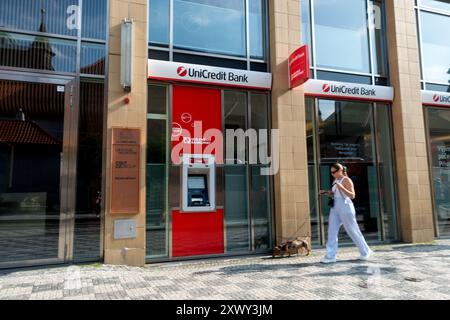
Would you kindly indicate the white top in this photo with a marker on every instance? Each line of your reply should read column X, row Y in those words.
column 337, row 192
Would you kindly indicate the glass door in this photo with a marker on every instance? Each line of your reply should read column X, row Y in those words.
column 357, row 135
column 438, row 122
column 35, row 162
column 346, row 136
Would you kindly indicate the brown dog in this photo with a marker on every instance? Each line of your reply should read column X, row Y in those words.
column 299, row 245
column 302, row 245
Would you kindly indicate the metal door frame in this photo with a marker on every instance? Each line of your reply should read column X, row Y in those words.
column 68, row 164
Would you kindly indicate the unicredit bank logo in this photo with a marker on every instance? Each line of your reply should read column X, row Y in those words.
column 205, row 74
column 441, row 98
column 182, row 71
column 349, row 90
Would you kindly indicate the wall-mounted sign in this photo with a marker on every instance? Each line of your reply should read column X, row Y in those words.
column 299, row 71
column 435, row 98
column 348, row 91
column 126, row 145
column 185, row 72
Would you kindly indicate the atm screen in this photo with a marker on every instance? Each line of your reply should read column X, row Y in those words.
column 197, row 182
column 197, row 191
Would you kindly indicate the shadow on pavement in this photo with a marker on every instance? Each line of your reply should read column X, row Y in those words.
column 419, row 248
column 295, row 267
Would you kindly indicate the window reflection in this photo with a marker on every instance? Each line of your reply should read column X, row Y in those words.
column 94, row 19
column 158, row 26
column 37, row 52
column 215, row 26
column 341, row 29
column 435, row 47
column 257, row 25
column 438, row 4
column 439, row 137
column 93, row 58
column 29, row 15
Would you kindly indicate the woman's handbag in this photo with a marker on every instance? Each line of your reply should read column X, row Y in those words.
column 331, row 199
column 331, row 202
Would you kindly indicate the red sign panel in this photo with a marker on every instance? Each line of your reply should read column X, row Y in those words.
column 197, row 233
column 299, row 67
column 196, row 116
column 197, row 113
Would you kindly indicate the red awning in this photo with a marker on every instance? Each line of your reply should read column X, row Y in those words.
column 24, row 132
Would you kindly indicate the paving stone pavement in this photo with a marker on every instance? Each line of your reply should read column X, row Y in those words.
column 399, row 271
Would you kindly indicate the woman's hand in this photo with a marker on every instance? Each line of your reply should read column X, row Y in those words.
column 326, row 192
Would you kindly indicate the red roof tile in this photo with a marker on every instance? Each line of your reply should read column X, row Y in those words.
column 24, row 132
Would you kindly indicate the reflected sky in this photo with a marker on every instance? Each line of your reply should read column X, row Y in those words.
column 436, row 47
column 342, row 40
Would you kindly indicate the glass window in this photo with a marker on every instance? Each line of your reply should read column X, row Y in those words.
column 306, row 26
column 158, row 25
column 260, row 205
column 439, row 139
column 89, row 173
column 260, row 121
column 236, row 208
column 216, row 26
column 156, row 149
column 386, row 172
column 95, row 19
column 235, row 108
column 157, row 99
column 93, row 58
column 438, row 4
column 435, row 47
column 438, row 87
column 157, row 176
column 379, row 38
column 313, row 199
column 257, row 28
column 337, row 76
column 341, row 29
column 37, row 52
column 49, row 16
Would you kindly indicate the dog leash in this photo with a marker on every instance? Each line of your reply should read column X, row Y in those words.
column 296, row 231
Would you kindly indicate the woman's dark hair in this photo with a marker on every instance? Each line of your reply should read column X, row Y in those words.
column 338, row 166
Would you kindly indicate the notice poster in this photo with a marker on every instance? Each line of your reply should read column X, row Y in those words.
column 125, row 189
column 342, row 148
column 444, row 156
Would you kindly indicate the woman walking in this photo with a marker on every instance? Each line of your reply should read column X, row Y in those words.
column 343, row 213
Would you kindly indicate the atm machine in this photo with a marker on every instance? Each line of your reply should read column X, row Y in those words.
column 198, row 183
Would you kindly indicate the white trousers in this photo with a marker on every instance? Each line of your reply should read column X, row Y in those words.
column 343, row 213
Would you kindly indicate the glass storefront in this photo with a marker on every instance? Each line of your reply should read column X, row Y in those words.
column 51, row 140
column 241, row 190
column 357, row 135
column 32, row 123
column 438, row 122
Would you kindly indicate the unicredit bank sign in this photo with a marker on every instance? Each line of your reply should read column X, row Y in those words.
column 185, row 72
column 435, row 98
column 349, row 91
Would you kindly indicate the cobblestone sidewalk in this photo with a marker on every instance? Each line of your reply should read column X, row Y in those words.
column 396, row 272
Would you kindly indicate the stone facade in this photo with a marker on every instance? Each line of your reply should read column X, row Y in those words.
column 132, row 115
column 413, row 179
column 288, row 115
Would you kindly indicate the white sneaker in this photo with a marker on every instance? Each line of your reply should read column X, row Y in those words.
column 367, row 256
column 327, row 260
